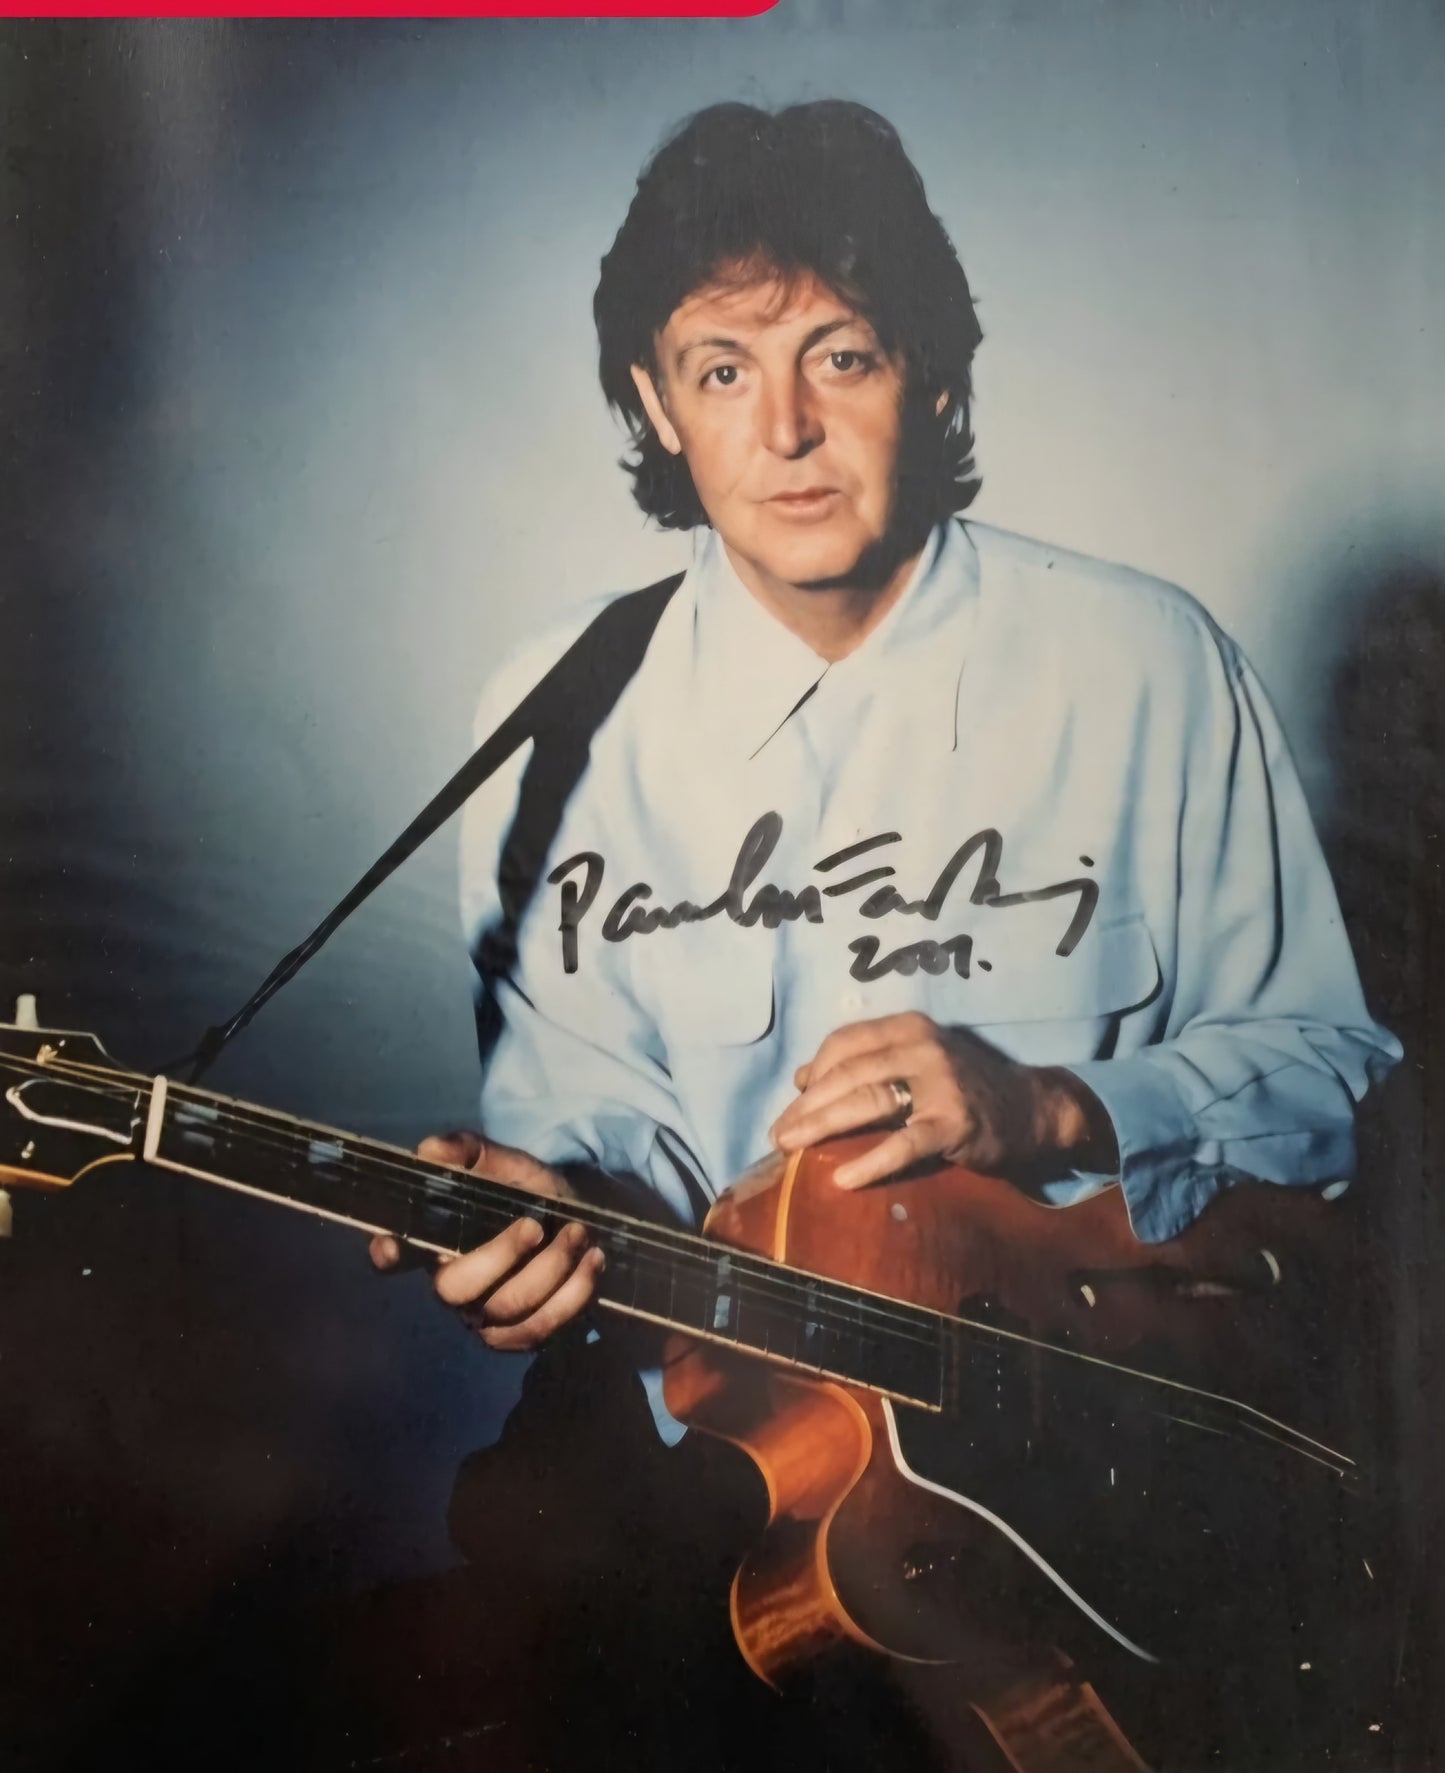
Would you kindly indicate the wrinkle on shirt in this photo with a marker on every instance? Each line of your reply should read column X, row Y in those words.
column 1079, row 709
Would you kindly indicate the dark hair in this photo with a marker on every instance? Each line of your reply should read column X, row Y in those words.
column 822, row 188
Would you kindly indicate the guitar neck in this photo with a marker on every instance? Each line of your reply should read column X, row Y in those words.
column 654, row 1273
column 64, row 1108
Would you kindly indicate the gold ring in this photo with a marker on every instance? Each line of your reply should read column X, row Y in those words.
column 902, row 1098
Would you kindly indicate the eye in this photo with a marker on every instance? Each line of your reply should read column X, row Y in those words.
column 725, row 375
column 851, row 362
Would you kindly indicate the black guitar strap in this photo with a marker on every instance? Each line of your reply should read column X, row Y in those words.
column 561, row 714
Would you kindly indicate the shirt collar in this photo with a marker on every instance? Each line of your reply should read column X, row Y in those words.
column 751, row 674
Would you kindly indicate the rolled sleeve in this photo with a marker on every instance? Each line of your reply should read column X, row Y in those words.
column 1156, row 1134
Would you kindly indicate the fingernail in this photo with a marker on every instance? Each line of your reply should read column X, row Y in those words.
column 598, row 1259
column 843, row 1178
column 532, row 1231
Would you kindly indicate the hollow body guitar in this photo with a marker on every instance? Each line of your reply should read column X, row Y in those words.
column 986, row 1425
column 1082, row 1466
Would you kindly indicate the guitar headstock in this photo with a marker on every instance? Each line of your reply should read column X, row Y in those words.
column 64, row 1105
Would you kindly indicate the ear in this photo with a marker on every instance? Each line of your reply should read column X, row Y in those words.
column 652, row 405
column 941, row 402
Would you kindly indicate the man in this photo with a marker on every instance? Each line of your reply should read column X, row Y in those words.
column 789, row 334
column 901, row 819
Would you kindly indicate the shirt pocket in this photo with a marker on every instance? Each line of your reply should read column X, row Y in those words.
column 711, row 988
column 1114, row 969
column 1048, row 1008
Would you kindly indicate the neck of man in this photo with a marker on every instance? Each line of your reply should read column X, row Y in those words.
column 834, row 616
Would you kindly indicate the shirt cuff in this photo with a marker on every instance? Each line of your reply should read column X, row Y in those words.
column 1164, row 1188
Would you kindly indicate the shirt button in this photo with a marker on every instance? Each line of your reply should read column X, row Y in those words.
column 852, row 1002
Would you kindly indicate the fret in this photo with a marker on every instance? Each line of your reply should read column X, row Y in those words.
column 766, row 1322
column 487, row 1208
column 651, row 1280
column 724, row 1302
column 846, row 1352
column 907, row 1362
column 446, row 1224
column 786, row 1332
column 950, row 1377
column 814, row 1340
column 621, row 1274
column 693, row 1294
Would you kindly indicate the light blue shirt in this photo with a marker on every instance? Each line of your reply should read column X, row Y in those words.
column 1159, row 917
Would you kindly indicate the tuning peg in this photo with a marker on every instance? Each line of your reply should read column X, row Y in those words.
column 25, row 1015
column 7, row 1218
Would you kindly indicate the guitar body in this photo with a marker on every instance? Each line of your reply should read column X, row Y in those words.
column 991, row 1532
column 850, row 1539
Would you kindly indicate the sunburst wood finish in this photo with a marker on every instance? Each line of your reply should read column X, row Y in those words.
column 1076, row 1274
column 850, row 1534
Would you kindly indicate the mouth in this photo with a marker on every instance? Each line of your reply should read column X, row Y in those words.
column 807, row 501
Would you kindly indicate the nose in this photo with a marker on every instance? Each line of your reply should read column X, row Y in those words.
column 788, row 420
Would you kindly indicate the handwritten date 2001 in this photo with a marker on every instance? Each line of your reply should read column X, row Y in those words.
column 747, row 903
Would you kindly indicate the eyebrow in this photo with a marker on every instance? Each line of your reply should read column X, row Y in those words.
column 708, row 345
column 815, row 337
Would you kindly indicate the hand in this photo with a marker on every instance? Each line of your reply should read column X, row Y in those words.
column 514, row 1292
column 972, row 1104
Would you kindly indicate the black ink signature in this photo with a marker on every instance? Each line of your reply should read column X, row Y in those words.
column 933, row 957
column 773, row 905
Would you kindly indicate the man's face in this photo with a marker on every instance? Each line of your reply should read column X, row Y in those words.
column 790, row 417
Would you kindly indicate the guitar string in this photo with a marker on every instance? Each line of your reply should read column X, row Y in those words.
column 122, row 1084
column 834, row 1315
column 843, row 1310
column 849, row 1310
column 442, row 1187
column 476, row 1214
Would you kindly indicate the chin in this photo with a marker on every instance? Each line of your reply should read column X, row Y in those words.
column 819, row 560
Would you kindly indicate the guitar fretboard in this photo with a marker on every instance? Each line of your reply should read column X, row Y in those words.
column 665, row 1276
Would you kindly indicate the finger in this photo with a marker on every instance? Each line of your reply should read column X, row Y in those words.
column 919, row 1064
column 919, row 1139
column 389, row 1254
column 864, row 1106
column 856, row 1038
column 458, row 1151
column 504, row 1163
column 526, row 1291
column 467, row 1277
column 916, row 1060
column 574, row 1295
